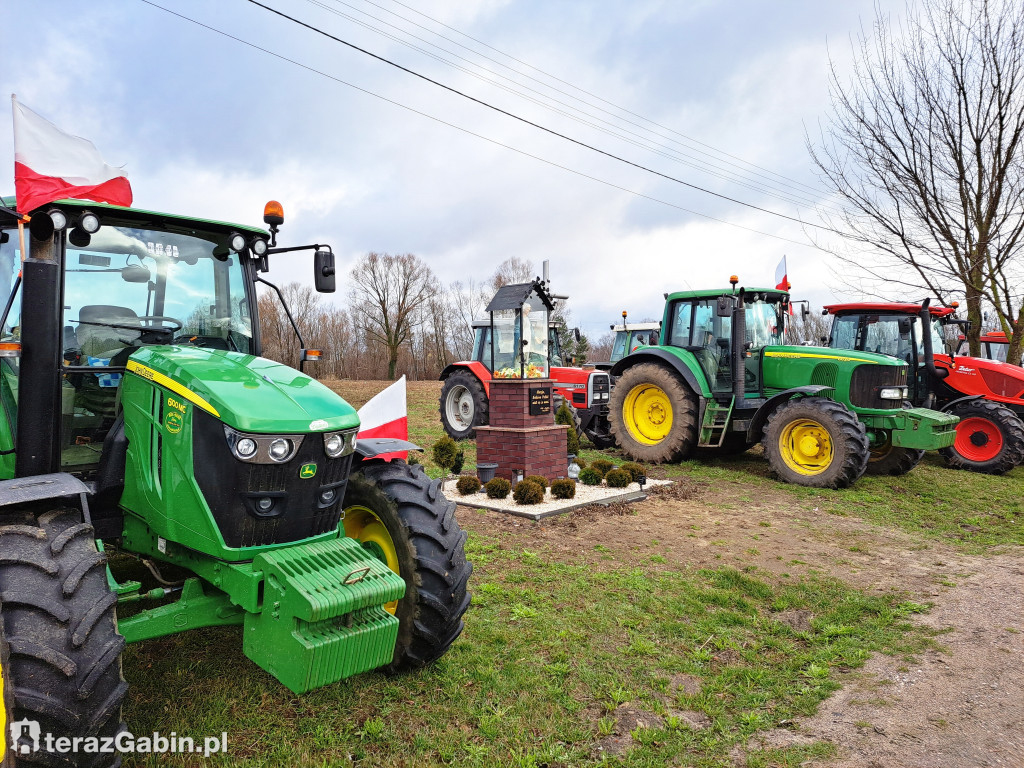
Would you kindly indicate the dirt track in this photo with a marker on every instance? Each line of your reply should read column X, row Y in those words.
column 959, row 708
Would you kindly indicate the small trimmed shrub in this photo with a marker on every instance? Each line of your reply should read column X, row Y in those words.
column 563, row 489
column 564, row 416
column 589, row 477
column 580, row 462
column 528, row 492
column 601, row 466
column 460, row 460
column 444, row 452
column 618, row 478
column 538, row 479
column 468, row 484
column 635, row 470
column 498, row 488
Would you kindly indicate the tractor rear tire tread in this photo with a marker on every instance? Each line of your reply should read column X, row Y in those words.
column 1008, row 423
column 682, row 438
column 481, row 406
column 849, row 440
column 59, row 645
column 431, row 553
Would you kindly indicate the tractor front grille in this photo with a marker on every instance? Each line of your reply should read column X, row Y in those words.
column 233, row 489
column 868, row 380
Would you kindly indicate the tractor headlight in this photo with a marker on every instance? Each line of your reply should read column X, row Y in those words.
column 280, row 449
column 245, row 448
column 893, row 393
column 236, row 242
column 339, row 443
column 262, row 449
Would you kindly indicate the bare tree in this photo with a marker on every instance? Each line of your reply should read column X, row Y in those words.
column 924, row 152
column 387, row 291
column 511, row 271
column 813, row 328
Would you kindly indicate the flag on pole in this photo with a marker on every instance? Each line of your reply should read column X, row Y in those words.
column 782, row 276
column 386, row 415
column 50, row 164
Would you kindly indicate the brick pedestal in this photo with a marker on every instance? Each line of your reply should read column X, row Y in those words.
column 516, row 439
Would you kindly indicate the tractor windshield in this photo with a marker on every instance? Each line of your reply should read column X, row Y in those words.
column 180, row 288
column 765, row 324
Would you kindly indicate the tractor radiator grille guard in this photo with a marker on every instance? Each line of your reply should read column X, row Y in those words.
column 296, row 489
column 868, row 380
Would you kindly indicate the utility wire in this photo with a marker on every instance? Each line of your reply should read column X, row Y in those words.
column 551, row 131
column 773, row 188
column 574, row 87
column 459, row 128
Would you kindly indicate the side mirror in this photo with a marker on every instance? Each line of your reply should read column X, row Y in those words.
column 323, row 271
column 805, row 311
column 725, row 304
column 576, row 334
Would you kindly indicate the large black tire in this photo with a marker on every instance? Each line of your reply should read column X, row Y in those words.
column 989, row 438
column 429, row 545
column 59, row 648
column 464, row 405
column 830, row 429
column 644, row 399
column 888, row 459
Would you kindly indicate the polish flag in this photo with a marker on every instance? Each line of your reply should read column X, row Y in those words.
column 386, row 415
column 781, row 276
column 52, row 165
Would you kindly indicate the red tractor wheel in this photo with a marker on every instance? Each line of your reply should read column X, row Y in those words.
column 464, row 405
column 989, row 438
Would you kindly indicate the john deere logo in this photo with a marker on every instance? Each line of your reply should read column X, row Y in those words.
column 173, row 422
column 307, row 471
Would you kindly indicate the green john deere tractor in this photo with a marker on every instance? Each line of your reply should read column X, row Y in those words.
column 722, row 379
column 140, row 422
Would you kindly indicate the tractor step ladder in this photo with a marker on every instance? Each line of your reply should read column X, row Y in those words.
column 716, row 424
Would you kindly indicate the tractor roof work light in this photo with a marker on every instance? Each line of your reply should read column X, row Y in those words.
column 89, row 222
column 236, row 242
column 59, row 219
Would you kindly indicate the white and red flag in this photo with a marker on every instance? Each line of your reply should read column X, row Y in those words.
column 50, row 164
column 386, row 415
column 782, row 276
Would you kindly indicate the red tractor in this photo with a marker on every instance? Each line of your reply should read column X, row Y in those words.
column 987, row 395
column 501, row 346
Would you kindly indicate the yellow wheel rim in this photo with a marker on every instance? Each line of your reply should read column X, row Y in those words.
column 363, row 524
column 806, row 447
column 881, row 450
column 647, row 413
column 3, row 717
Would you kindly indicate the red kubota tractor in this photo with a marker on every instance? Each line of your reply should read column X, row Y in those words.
column 496, row 347
column 987, row 395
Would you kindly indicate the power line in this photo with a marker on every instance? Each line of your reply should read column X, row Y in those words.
column 459, row 128
column 704, row 164
column 551, row 131
column 574, row 87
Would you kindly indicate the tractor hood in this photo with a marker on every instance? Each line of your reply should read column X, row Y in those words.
column 827, row 353
column 248, row 393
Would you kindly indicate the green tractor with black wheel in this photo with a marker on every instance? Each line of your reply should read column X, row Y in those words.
column 722, row 379
column 149, row 457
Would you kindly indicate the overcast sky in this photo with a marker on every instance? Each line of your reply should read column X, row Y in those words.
column 209, row 126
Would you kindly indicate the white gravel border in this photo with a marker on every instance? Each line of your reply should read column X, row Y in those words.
column 585, row 495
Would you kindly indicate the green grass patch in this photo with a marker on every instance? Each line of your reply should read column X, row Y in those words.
column 553, row 644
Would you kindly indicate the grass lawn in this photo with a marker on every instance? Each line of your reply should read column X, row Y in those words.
column 559, row 642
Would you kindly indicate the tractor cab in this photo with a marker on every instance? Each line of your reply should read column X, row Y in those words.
column 893, row 329
column 630, row 337
column 701, row 322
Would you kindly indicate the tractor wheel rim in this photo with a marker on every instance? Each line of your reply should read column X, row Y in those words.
column 880, row 451
column 459, row 406
column 806, row 447
column 362, row 524
column 978, row 439
column 647, row 413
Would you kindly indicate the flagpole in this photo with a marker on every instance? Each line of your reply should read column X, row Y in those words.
column 21, row 236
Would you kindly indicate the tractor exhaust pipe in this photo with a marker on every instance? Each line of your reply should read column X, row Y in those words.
column 926, row 333
column 739, row 347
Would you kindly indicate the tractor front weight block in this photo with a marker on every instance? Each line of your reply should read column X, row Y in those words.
column 917, row 428
column 321, row 616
